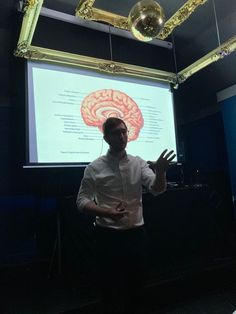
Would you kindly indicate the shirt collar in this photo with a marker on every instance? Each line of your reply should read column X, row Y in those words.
column 118, row 157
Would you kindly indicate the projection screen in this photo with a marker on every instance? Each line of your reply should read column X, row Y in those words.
column 67, row 107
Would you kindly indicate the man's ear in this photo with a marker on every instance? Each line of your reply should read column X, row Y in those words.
column 106, row 139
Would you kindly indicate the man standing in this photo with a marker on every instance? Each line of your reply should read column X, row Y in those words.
column 111, row 189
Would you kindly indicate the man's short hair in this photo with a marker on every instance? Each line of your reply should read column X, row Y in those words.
column 110, row 124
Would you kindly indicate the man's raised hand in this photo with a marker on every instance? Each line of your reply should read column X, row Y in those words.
column 163, row 161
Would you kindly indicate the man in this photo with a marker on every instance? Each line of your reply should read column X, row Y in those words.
column 111, row 189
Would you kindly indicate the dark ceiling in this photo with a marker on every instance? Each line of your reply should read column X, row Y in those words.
column 193, row 39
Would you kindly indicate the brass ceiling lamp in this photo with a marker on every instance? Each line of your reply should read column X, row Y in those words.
column 146, row 19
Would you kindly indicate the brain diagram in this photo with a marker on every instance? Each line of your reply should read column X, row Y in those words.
column 102, row 104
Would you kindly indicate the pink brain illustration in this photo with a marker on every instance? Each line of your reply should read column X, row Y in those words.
column 105, row 103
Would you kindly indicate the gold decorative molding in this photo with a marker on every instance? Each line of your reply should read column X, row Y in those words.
column 84, row 9
column 111, row 67
column 30, row 19
column 25, row 50
column 29, row 5
column 87, row 12
column 219, row 53
column 31, row 14
column 111, row 18
column 34, row 54
column 61, row 57
column 21, row 49
column 28, row 52
column 179, row 17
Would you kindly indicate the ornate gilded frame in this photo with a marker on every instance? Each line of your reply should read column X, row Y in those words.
column 86, row 10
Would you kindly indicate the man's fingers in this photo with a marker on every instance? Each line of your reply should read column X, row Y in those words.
column 163, row 153
column 169, row 154
column 172, row 157
column 119, row 206
column 164, row 157
column 151, row 165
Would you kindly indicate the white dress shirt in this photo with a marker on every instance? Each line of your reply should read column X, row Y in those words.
column 109, row 181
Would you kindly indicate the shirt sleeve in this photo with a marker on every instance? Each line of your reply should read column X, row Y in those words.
column 87, row 189
column 148, row 177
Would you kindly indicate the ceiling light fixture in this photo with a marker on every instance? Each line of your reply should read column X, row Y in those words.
column 146, row 19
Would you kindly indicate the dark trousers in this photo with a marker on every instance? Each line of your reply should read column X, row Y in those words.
column 121, row 267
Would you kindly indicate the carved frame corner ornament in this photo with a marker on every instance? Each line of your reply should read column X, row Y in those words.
column 111, row 67
column 28, row 52
column 21, row 49
column 29, row 5
column 84, row 9
column 227, row 48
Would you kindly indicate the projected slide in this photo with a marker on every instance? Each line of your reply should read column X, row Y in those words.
column 67, row 107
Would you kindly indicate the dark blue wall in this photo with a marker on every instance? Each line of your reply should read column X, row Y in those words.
column 228, row 108
column 204, row 144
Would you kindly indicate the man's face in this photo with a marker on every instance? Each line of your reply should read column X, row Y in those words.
column 118, row 137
